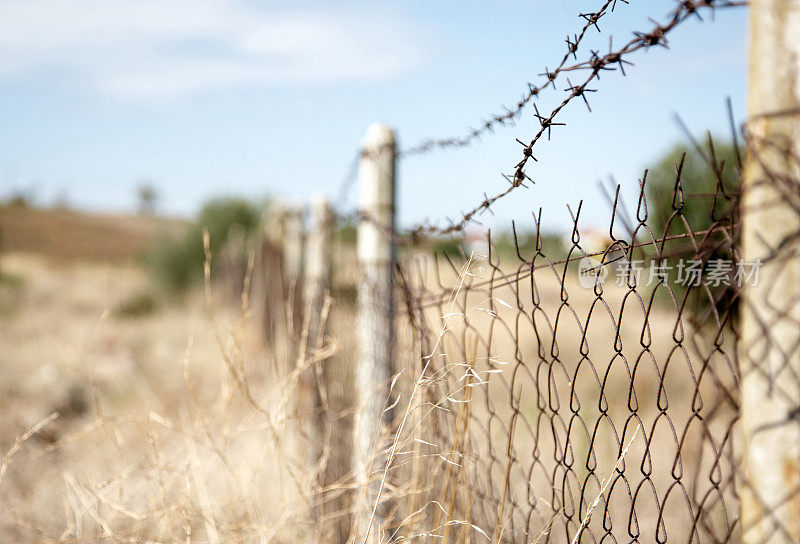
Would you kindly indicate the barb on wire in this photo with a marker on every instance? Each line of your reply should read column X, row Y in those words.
column 511, row 114
column 595, row 65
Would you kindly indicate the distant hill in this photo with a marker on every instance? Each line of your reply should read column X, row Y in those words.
column 64, row 234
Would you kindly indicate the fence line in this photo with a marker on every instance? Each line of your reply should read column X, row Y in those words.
column 687, row 390
column 612, row 389
column 311, row 392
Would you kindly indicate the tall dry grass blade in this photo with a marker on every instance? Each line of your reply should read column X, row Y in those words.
column 393, row 450
column 596, row 501
column 20, row 440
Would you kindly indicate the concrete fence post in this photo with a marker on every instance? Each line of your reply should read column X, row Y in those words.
column 375, row 321
column 269, row 286
column 316, row 287
column 293, row 267
column 770, row 315
column 318, row 267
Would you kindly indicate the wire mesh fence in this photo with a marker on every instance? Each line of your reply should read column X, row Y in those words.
column 587, row 395
column 630, row 383
column 615, row 385
column 586, row 388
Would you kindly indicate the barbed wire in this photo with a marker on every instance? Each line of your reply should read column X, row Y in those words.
column 509, row 115
column 596, row 64
column 349, row 180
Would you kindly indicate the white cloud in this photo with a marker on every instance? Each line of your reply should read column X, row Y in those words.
column 155, row 49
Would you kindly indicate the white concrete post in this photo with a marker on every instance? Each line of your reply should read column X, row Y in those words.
column 318, row 265
column 375, row 322
column 315, row 289
column 293, row 265
column 273, row 224
column 234, row 264
column 269, row 286
column 769, row 356
column 293, row 243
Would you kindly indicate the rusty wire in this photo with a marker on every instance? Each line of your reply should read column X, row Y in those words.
column 569, row 379
column 557, row 412
column 509, row 115
column 595, row 64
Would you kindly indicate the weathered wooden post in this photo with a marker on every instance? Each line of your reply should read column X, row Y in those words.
column 770, row 341
column 316, row 287
column 375, row 322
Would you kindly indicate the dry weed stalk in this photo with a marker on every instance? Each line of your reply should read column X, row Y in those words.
column 449, row 492
column 210, row 473
column 20, row 440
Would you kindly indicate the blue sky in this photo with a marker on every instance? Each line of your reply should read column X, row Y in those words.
column 207, row 97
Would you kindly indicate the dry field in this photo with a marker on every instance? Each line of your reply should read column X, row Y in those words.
column 152, row 434
column 68, row 235
column 173, row 426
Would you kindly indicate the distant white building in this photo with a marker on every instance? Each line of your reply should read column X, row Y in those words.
column 592, row 240
column 476, row 240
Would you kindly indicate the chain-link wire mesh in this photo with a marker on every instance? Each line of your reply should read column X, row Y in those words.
column 590, row 394
column 607, row 386
column 561, row 379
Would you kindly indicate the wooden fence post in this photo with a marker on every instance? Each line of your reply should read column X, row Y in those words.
column 375, row 321
column 770, row 337
column 316, row 287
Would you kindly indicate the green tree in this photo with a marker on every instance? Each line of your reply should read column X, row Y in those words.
column 709, row 189
column 148, row 196
column 699, row 183
column 177, row 262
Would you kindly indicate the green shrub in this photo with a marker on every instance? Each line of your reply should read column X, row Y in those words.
column 137, row 306
column 12, row 281
column 447, row 246
column 346, row 233
column 220, row 214
column 698, row 181
column 176, row 263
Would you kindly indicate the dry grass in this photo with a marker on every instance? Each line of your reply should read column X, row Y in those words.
column 182, row 425
column 157, row 438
